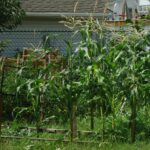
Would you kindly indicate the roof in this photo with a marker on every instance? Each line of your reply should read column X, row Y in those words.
column 64, row 6
column 119, row 7
column 130, row 4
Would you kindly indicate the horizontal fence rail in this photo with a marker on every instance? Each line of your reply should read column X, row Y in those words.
column 47, row 140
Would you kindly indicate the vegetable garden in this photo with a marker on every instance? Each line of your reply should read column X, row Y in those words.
column 97, row 91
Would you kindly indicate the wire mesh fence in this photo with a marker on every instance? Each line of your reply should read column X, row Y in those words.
column 17, row 40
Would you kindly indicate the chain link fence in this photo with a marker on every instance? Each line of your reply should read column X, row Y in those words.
column 17, row 40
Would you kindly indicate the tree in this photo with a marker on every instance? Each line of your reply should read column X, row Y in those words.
column 11, row 14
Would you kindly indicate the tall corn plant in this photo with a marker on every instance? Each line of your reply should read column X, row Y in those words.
column 113, row 70
column 131, row 58
column 89, row 58
column 34, row 83
column 72, row 87
column 97, row 68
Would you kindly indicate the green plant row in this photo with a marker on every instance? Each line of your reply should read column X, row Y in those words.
column 105, row 75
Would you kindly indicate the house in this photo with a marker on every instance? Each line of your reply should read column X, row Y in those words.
column 143, row 7
column 46, row 14
column 132, row 9
column 43, row 17
column 122, row 10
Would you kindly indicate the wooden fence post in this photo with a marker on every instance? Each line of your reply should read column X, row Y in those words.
column 73, row 121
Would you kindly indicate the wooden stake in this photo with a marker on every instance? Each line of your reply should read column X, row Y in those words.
column 73, row 121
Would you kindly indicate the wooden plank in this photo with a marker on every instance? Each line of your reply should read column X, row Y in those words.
column 57, row 131
column 61, row 131
column 26, row 51
column 115, row 23
column 10, row 61
column 46, row 139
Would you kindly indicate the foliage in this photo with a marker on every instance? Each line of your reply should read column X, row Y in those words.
column 11, row 14
column 29, row 145
column 3, row 44
column 105, row 75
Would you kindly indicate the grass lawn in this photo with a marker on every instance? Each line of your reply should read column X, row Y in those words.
column 13, row 129
column 30, row 145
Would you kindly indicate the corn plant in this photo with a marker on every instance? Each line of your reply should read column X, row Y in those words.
column 105, row 70
column 131, row 59
column 113, row 70
column 35, row 84
column 88, row 61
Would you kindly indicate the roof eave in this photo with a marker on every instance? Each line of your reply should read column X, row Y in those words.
column 59, row 15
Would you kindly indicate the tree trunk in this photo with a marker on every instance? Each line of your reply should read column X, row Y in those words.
column 73, row 121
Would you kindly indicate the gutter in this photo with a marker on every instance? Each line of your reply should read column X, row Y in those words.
column 55, row 14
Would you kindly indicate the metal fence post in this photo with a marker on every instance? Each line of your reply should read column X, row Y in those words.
column 1, row 98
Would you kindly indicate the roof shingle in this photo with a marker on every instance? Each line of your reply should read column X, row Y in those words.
column 65, row 6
